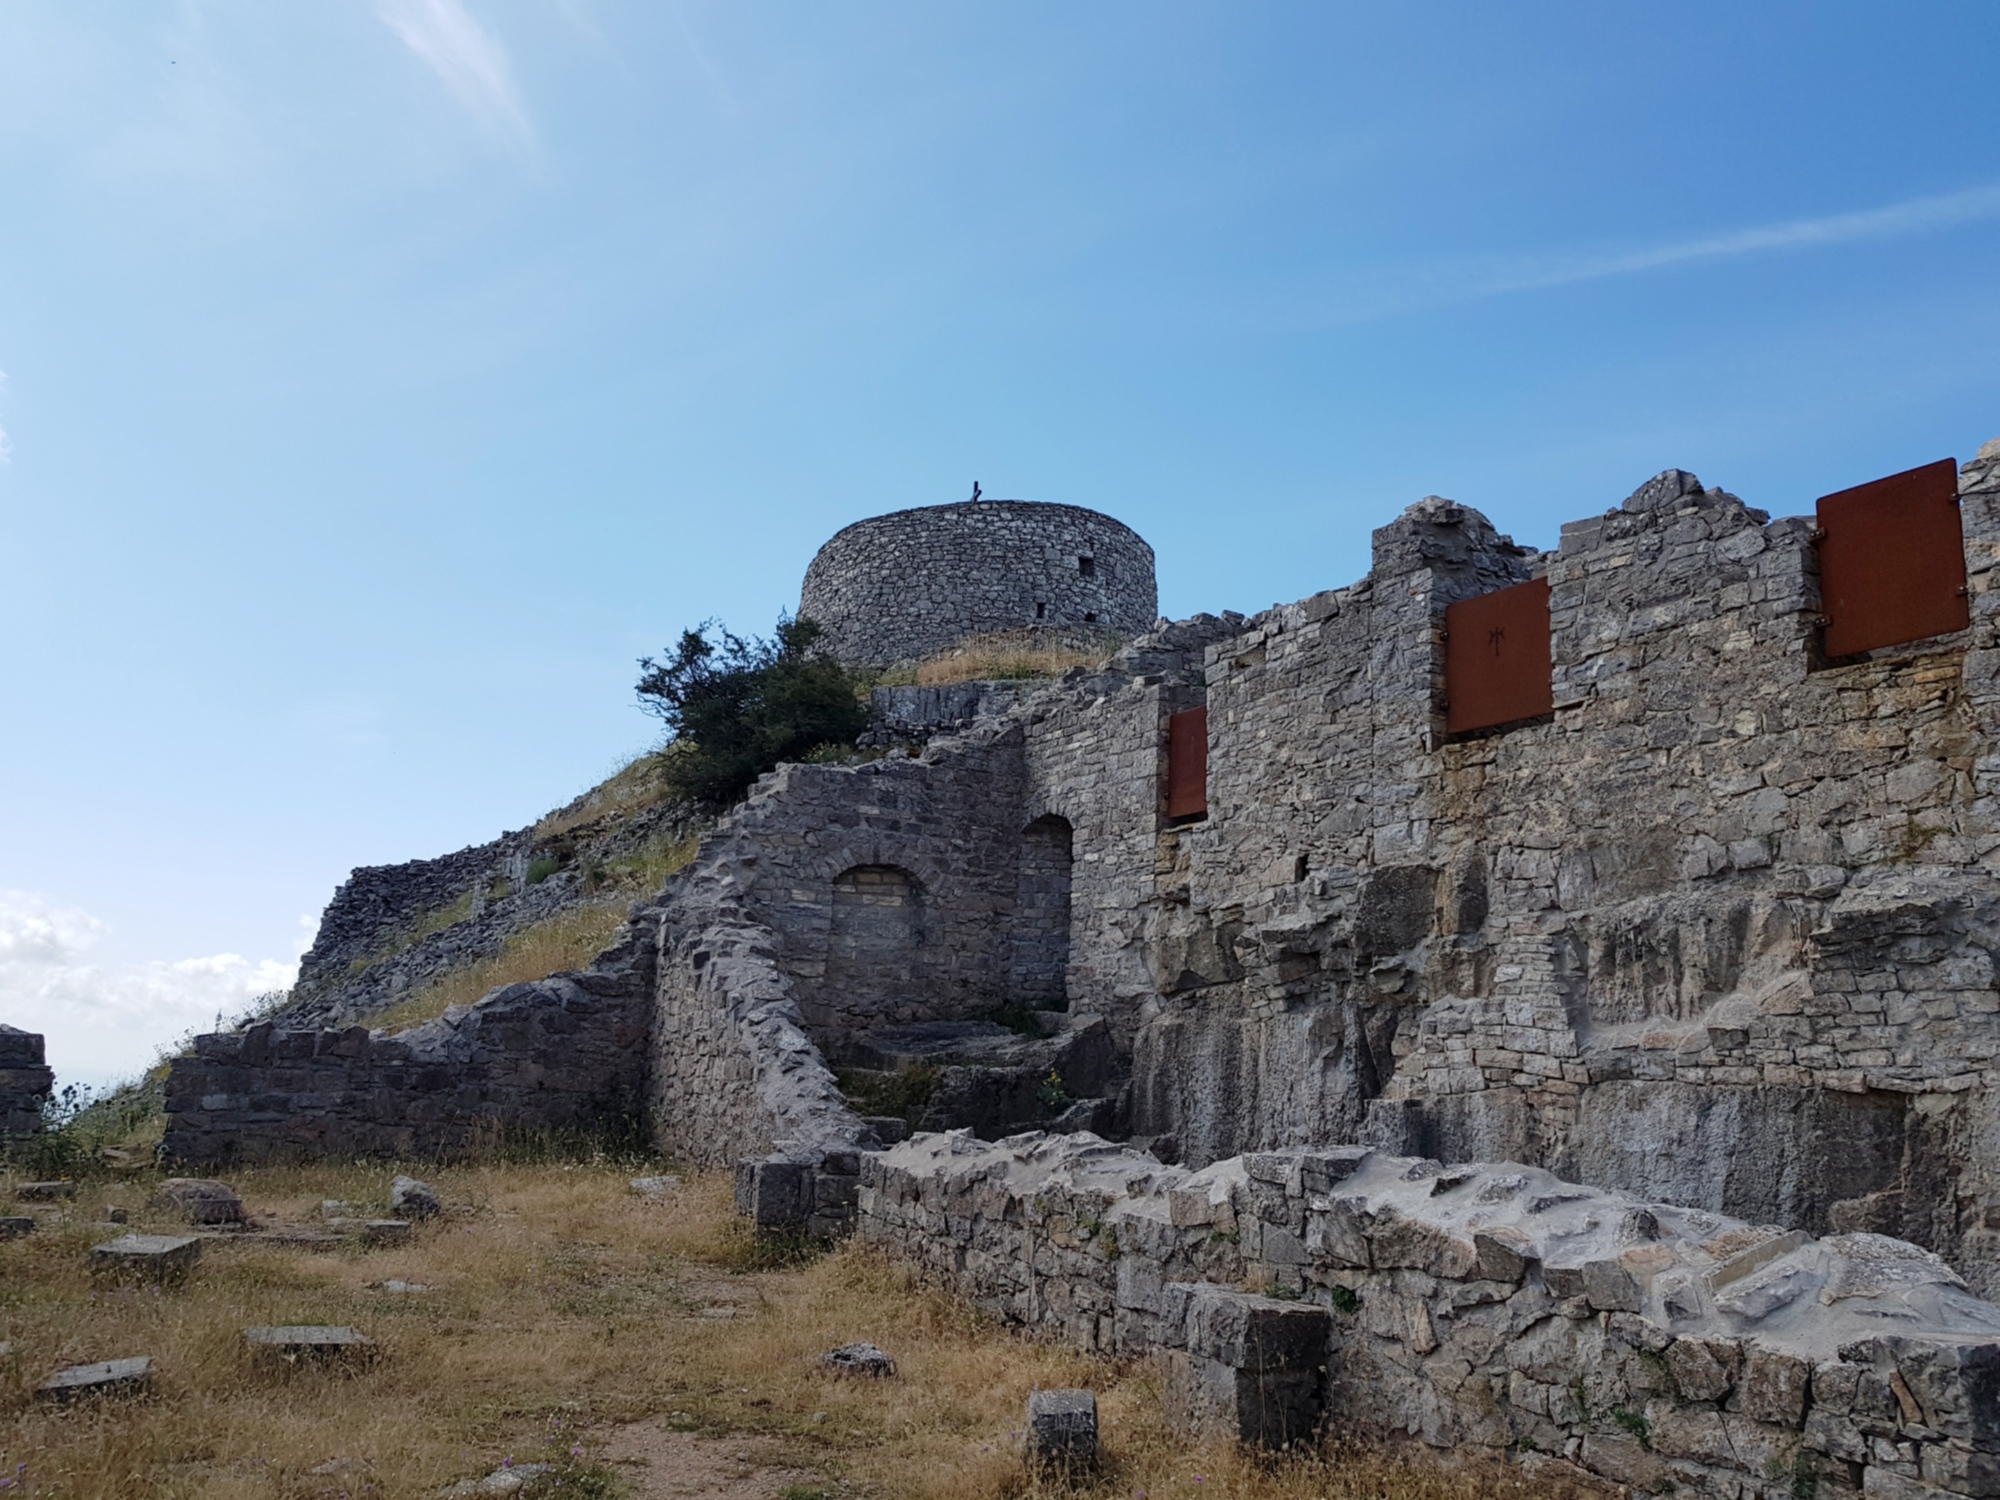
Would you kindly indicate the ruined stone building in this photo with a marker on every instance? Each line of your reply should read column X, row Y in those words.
column 1661, row 862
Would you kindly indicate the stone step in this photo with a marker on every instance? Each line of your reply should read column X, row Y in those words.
column 159, row 1256
column 110, row 1377
column 294, row 1339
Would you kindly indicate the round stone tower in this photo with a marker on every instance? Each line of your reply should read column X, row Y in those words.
column 904, row 586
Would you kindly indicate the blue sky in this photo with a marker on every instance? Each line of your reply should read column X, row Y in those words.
column 383, row 377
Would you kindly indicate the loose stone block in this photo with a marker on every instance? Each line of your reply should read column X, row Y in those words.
column 111, row 1377
column 656, row 1187
column 13, row 1226
column 414, row 1200
column 1062, row 1427
column 376, row 1233
column 44, row 1192
column 161, row 1257
column 776, row 1193
column 858, row 1359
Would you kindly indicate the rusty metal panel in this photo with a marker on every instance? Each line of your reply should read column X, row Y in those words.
column 1496, row 658
column 1892, row 561
column 1187, row 763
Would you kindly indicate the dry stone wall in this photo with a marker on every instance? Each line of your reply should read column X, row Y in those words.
column 25, row 1081
column 1480, row 1307
column 900, row 587
column 564, row 1054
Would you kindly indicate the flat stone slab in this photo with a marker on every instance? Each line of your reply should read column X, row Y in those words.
column 110, row 1377
column 200, row 1200
column 307, row 1338
column 13, row 1226
column 397, row 1287
column 1062, row 1426
column 44, row 1192
column 297, row 1239
column 148, row 1254
column 987, row 1043
column 656, row 1187
column 385, row 1232
column 510, row 1480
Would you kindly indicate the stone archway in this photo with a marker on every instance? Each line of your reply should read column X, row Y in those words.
column 1038, row 977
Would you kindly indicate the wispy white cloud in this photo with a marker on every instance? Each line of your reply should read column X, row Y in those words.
column 707, row 63
column 1913, row 216
column 106, row 1021
column 467, row 57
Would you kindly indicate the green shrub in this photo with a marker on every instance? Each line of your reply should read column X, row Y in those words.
column 737, row 708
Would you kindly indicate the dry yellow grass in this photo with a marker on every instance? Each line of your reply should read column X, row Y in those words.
column 631, row 788
column 567, row 1310
column 1012, row 654
column 568, row 940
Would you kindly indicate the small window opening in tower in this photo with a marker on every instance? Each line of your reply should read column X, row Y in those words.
column 1086, row 567
column 1301, row 867
column 1090, row 618
column 1041, row 611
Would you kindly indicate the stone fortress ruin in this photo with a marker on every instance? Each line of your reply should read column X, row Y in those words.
column 1544, row 1002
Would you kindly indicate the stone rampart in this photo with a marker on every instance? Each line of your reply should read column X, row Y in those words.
column 899, row 587
column 566, row 1054
column 1490, row 1308
column 25, row 1081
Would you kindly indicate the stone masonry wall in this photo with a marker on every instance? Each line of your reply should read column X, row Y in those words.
column 25, row 1081
column 1484, row 1308
column 566, row 1053
column 811, row 834
column 1720, row 930
column 900, row 587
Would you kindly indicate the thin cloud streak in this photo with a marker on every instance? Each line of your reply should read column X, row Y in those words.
column 1896, row 221
column 1388, row 292
column 471, row 62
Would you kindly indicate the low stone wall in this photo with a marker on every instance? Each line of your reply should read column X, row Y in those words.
column 734, row 1079
column 1494, row 1308
column 564, row 1053
column 25, row 1081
